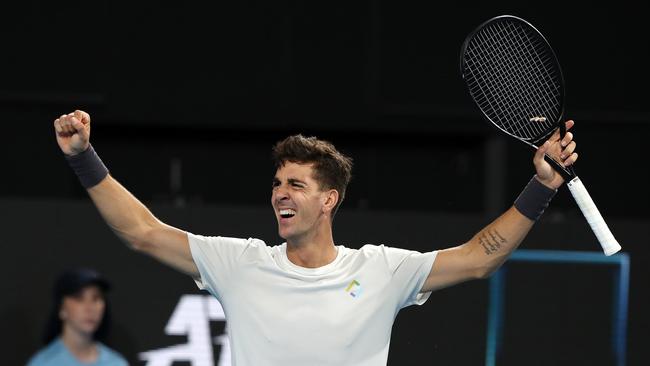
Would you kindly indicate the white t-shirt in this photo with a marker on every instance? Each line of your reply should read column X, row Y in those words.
column 279, row 313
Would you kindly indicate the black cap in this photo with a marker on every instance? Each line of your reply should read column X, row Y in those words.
column 71, row 281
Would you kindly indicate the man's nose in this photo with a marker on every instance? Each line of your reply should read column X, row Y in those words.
column 281, row 193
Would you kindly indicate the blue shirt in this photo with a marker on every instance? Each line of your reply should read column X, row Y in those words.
column 57, row 354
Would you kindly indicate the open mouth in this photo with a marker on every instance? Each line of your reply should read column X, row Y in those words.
column 287, row 213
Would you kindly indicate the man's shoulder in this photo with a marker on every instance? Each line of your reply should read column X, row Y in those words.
column 369, row 251
column 377, row 249
column 197, row 238
column 228, row 244
column 384, row 251
column 370, row 248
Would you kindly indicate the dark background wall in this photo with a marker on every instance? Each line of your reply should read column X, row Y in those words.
column 187, row 100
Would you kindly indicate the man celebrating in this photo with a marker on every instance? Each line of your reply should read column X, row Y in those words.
column 309, row 301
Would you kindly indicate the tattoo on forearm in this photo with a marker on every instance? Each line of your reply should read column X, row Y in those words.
column 491, row 241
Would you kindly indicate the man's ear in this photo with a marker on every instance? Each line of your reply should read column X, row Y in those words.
column 330, row 200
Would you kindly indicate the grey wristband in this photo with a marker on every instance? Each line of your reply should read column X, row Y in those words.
column 88, row 166
column 534, row 199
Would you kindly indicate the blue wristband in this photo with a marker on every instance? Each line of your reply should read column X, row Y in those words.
column 534, row 199
column 88, row 166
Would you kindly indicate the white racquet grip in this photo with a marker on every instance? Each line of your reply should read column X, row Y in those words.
column 595, row 220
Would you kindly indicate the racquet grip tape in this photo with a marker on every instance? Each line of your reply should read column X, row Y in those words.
column 88, row 167
column 534, row 199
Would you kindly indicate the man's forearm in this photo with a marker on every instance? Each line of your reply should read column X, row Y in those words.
column 482, row 254
column 496, row 241
column 125, row 214
column 491, row 246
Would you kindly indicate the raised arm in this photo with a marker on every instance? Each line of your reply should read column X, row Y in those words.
column 125, row 214
column 489, row 248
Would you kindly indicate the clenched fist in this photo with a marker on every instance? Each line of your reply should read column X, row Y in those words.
column 73, row 132
column 561, row 150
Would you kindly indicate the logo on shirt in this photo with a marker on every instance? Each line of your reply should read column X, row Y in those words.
column 354, row 288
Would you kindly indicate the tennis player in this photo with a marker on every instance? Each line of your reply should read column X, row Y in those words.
column 309, row 301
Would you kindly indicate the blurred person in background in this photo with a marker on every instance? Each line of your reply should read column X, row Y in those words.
column 78, row 323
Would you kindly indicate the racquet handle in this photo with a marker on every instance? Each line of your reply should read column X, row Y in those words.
column 595, row 220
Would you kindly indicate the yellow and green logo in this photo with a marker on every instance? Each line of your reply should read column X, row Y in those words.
column 354, row 288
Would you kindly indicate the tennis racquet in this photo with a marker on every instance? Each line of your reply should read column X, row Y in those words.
column 514, row 77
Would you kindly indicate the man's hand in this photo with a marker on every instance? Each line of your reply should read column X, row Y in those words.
column 561, row 151
column 73, row 132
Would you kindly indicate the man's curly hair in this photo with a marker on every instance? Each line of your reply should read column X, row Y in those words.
column 332, row 169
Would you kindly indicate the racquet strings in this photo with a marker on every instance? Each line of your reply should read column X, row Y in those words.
column 514, row 78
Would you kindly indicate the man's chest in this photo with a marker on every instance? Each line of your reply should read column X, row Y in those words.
column 331, row 311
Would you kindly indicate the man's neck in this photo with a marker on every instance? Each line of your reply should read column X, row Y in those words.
column 314, row 251
column 311, row 256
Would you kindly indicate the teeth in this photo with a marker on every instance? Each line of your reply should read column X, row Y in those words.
column 287, row 213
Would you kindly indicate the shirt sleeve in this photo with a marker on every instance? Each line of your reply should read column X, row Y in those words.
column 409, row 270
column 217, row 258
